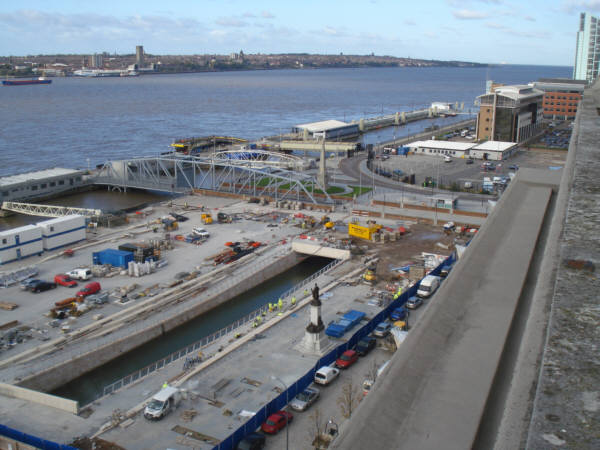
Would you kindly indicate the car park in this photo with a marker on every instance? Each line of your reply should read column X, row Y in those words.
column 254, row 441
column 326, row 375
column 304, row 399
column 41, row 286
column 399, row 314
column 365, row 345
column 90, row 288
column 414, row 302
column 346, row 359
column 382, row 330
column 276, row 422
column 65, row 280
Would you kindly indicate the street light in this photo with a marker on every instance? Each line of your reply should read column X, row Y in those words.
column 287, row 400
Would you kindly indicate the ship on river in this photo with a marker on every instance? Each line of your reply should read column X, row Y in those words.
column 40, row 80
column 99, row 73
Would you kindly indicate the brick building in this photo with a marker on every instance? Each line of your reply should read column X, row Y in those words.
column 561, row 97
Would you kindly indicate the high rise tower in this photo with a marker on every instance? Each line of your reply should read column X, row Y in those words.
column 139, row 56
column 587, row 53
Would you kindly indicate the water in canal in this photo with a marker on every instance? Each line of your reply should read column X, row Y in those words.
column 88, row 387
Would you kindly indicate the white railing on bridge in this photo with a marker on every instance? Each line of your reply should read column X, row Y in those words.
column 49, row 210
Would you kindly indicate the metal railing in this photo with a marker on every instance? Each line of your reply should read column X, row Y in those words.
column 207, row 340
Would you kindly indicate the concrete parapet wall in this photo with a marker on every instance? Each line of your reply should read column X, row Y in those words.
column 63, row 404
column 308, row 248
column 61, row 374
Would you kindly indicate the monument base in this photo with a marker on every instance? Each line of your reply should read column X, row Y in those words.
column 315, row 343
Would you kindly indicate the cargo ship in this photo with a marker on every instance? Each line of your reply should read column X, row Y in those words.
column 40, row 80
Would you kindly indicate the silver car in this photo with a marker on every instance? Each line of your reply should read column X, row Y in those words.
column 304, row 399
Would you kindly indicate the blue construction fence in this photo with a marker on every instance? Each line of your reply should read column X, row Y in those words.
column 34, row 441
column 302, row 383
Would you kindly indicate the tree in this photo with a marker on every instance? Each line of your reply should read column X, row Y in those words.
column 316, row 428
column 349, row 399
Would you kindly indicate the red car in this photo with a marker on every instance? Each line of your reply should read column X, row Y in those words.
column 64, row 280
column 346, row 359
column 276, row 422
column 90, row 288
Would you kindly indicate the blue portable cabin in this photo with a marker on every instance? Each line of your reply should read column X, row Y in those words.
column 116, row 258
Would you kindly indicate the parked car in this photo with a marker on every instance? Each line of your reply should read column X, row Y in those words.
column 254, row 441
column 304, row 399
column 382, row 330
column 365, row 345
column 41, row 286
column 513, row 167
column 399, row 314
column 469, row 161
column 414, row 302
column 26, row 284
column 428, row 286
column 326, row 375
column 201, row 232
column 65, row 280
column 90, row 288
column 276, row 422
column 346, row 359
column 80, row 274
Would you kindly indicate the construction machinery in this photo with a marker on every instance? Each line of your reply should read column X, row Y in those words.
column 370, row 276
column 207, row 219
column 224, row 218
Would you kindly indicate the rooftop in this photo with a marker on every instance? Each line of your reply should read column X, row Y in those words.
column 494, row 146
column 324, row 125
column 444, row 145
column 38, row 175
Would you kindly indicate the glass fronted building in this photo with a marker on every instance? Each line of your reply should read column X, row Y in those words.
column 587, row 53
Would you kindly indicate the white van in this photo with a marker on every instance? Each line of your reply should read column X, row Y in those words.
column 428, row 286
column 326, row 375
column 162, row 403
column 80, row 274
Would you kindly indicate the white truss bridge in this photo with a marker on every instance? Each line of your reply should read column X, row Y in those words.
column 48, row 210
column 246, row 172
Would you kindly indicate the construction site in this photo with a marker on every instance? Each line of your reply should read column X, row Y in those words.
column 167, row 265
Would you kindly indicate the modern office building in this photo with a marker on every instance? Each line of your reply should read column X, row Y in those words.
column 561, row 97
column 96, row 61
column 509, row 113
column 587, row 52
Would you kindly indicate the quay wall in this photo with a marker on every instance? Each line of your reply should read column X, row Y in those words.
column 57, row 376
column 53, row 401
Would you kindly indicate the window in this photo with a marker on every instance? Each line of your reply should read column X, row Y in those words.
column 44, row 186
column 5, row 193
column 51, row 229
column 487, row 129
column 78, row 179
column 61, row 182
column 52, row 183
column 4, row 241
column 34, row 187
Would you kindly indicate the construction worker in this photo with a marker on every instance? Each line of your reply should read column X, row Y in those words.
column 306, row 292
column 293, row 301
column 165, row 385
column 280, row 304
column 270, row 307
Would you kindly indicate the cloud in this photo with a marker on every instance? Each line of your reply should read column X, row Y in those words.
column 409, row 22
column 249, row 15
column 573, row 6
column 267, row 15
column 230, row 22
column 332, row 31
column 468, row 14
column 529, row 18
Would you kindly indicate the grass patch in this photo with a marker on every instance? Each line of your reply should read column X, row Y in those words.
column 357, row 190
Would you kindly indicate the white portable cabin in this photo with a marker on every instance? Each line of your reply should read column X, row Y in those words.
column 20, row 242
column 62, row 231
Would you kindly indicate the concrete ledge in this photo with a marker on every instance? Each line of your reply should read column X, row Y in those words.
column 315, row 249
column 438, row 384
column 63, row 404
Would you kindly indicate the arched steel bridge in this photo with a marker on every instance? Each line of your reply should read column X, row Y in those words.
column 174, row 173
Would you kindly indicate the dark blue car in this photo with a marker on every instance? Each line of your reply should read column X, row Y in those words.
column 399, row 314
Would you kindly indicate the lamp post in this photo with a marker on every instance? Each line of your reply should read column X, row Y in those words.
column 287, row 400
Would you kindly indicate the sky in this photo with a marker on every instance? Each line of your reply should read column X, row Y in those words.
column 539, row 32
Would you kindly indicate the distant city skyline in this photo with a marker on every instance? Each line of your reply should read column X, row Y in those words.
column 486, row 31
